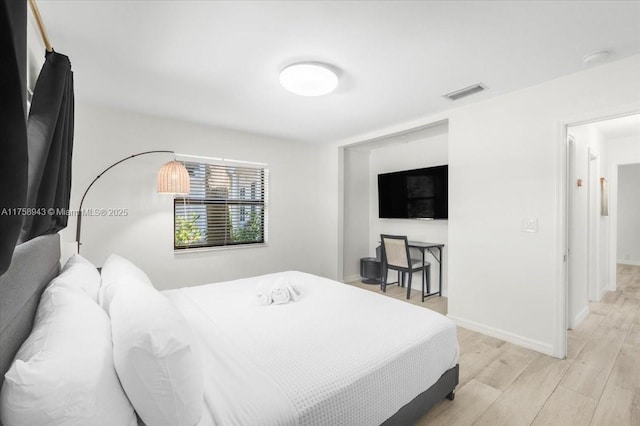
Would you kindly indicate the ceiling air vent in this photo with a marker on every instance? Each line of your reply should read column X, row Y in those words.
column 461, row 93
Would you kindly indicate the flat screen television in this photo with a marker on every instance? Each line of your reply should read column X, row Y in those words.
column 414, row 194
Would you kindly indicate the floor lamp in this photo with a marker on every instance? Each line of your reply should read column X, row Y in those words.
column 173, row 178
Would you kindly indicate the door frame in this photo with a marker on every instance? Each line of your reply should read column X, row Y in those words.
column 570, row 176
column 592, row 228
column 562, row 192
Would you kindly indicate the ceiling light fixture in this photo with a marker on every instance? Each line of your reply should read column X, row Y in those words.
column 309, row 79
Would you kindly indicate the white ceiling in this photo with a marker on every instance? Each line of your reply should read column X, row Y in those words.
column 217, row 62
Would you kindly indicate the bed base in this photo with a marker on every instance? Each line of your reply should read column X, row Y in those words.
column 418, row 406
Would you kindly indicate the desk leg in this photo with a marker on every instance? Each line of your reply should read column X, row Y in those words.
column 440, row 272
column 428, row 268
column 423, row 274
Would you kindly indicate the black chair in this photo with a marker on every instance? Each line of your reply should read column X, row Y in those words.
column 396, row 256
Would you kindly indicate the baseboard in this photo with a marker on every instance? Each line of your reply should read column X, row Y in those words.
column 604, row 291
column 628, row 262
column 504, row 335
column 580, row 317
column 351, row 278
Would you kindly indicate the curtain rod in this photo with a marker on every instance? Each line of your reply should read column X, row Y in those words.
column 43, row 30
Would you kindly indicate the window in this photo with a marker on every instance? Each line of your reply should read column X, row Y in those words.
column 243, row 209
column 227, row 205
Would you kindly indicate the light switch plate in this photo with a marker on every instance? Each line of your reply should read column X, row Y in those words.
column 529, row 225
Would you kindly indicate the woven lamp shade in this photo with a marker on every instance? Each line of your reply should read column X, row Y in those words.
column 173, row 178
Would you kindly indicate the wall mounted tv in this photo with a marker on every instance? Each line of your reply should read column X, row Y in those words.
column 414, row 194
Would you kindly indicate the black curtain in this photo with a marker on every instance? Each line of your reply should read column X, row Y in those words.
column 13, row 124
column 50, row 144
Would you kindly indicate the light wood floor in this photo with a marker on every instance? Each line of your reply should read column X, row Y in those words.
column 503, row 384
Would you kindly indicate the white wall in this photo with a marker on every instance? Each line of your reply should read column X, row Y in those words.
column 356, row 211
column 398, row 156
column 629, row 214
column 104, row 135
column 506, row 163
column 331, row 211
column 578, row 255
column 506, row 157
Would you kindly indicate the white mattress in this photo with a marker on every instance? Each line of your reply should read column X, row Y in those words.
column 338, row 356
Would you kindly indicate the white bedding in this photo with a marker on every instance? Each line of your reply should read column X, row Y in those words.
column 338, row 356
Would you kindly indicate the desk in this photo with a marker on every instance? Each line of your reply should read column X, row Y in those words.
column 430, row 247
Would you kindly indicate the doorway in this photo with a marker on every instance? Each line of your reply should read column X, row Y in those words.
column 628, row 215
column 595, row 151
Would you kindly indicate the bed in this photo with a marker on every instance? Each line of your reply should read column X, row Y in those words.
column 338, row 355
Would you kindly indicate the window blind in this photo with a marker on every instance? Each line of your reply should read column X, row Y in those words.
column 227, row 205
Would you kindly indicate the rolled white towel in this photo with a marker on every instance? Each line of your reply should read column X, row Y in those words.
column 262, row 298
column 262, row 295
column 280, row 295
column 295, row 294
column 283, row 292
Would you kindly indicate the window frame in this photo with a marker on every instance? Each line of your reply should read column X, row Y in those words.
column 253, row 204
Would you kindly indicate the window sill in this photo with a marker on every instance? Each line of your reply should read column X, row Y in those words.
column 219, row 248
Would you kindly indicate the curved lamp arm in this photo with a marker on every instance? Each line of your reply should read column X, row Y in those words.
column 79, row 221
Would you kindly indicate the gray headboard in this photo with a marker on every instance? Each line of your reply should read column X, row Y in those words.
column 33, row 265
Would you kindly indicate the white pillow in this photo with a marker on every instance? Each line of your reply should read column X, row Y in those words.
column 77, row 259
column 155, row 356
column 78, row 274
column 115, row 269
column 64, row 374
